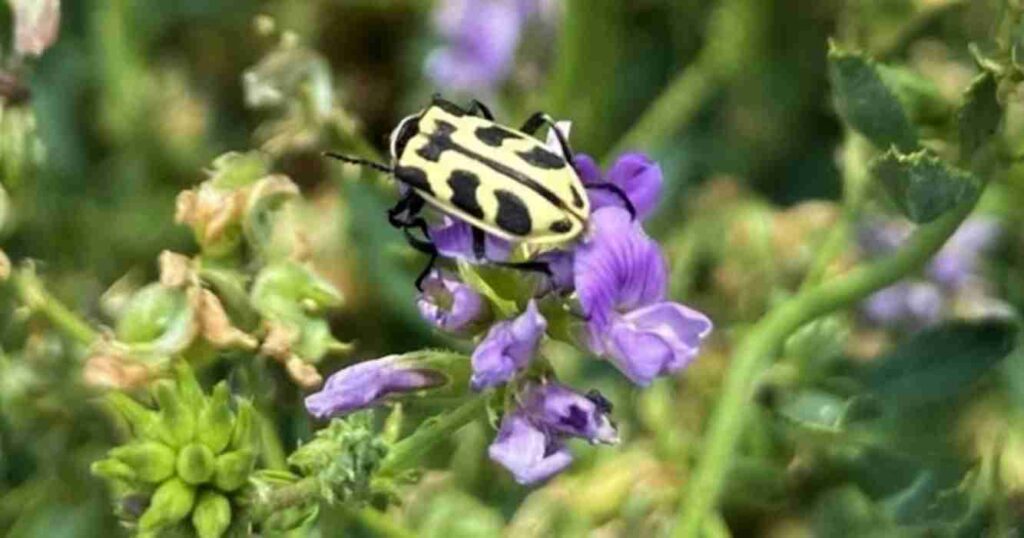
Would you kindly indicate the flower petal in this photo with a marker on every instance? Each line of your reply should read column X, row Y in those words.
column 527, row 452
column 639, row 177
column 367, row 384
column 449, row 304
column 655, row 340
column 618, row 268
column 454, row 239
column 557, row 408
column 508, row 347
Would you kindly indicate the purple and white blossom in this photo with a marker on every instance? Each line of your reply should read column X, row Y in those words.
column 508, row 348
column 450, row 305
column 621, row 279
column 531, row 440
column 369, row 384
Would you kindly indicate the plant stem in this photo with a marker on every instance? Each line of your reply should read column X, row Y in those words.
column 412, row 448
column 35, row 296
column 762, row 342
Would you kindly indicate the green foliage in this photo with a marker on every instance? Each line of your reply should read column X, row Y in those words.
column 922, row 185
column 867, row 104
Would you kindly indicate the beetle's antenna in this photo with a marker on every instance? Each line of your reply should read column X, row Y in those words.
column 360, row 162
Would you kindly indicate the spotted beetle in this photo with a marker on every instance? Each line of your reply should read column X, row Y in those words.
column 502, row 181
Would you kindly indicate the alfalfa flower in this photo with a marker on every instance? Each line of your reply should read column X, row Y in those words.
column 531, row 440
column 508, row 347
column 621, row 279
column 369, row 384
column 635, row 174
column 451, row 305
column 481, row 37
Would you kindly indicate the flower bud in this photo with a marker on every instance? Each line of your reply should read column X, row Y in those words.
column 112, row 469
column 216, row 420
column 177, row 422
column 141, row 421
column 195, row 464
column 151, row 461
column 233, row 469
column 212, row 515
column 244, row 434
column 171, row 502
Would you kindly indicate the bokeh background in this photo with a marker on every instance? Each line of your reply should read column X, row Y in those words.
column 134, row 100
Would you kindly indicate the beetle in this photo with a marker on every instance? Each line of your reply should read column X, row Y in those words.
column 502, row 181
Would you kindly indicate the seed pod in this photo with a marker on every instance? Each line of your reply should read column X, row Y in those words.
column 233, row 469
column 112, row 469
column 215, row 420
column 212, row 515
column 177, row 422
column 152, row 462
column 171, row 502
column 195, row 464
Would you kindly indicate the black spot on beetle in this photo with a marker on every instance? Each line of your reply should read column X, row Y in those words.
column 561, row 226
column 413, row 177
column 438, row 141
column 493, row 135
column 542, row 158
column 513, row 216
column 577, row 200
column 464, row 185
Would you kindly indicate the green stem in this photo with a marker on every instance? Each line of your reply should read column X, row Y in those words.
column 378, row 523
column 35, row 296
column 432, row 432
column 762, row 342
column 284, row 497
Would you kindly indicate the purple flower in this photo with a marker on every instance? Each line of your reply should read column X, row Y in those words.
column 957, row 263
column 560, row 265
column 368, row 384
column 481, row 36
column 917, row 304
column 620, row 278
column 531, row 440
column 451, row 305
column 508, row 347
column 638, row 176
column 454, row 239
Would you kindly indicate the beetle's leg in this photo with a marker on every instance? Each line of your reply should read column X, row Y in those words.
column 617, row 191
column 426, row 271
column 538, row 120
column 411, row 204
column 422, row 245
column 479, row 244
column 480, row 109
column 536, row 267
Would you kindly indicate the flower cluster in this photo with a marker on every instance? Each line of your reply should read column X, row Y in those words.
column 614, row 279
column 952, row 280
column 187, row 462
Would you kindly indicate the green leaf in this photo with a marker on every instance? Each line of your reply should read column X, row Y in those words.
column 867, row 104
column 922, row 185
column 979, row 116
column 939, row 364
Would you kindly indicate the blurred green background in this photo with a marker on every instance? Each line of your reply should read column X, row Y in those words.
column 135, row 99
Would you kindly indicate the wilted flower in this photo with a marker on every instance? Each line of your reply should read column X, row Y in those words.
column 508, row 347
column 621, row 278
column 530, row 442
column 451, row 305
column 639, row 178
column 370, row 383
column 35, row 25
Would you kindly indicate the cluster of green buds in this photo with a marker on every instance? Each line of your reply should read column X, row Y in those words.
column 338, row 465
column 249, row 290
column 187, row 462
